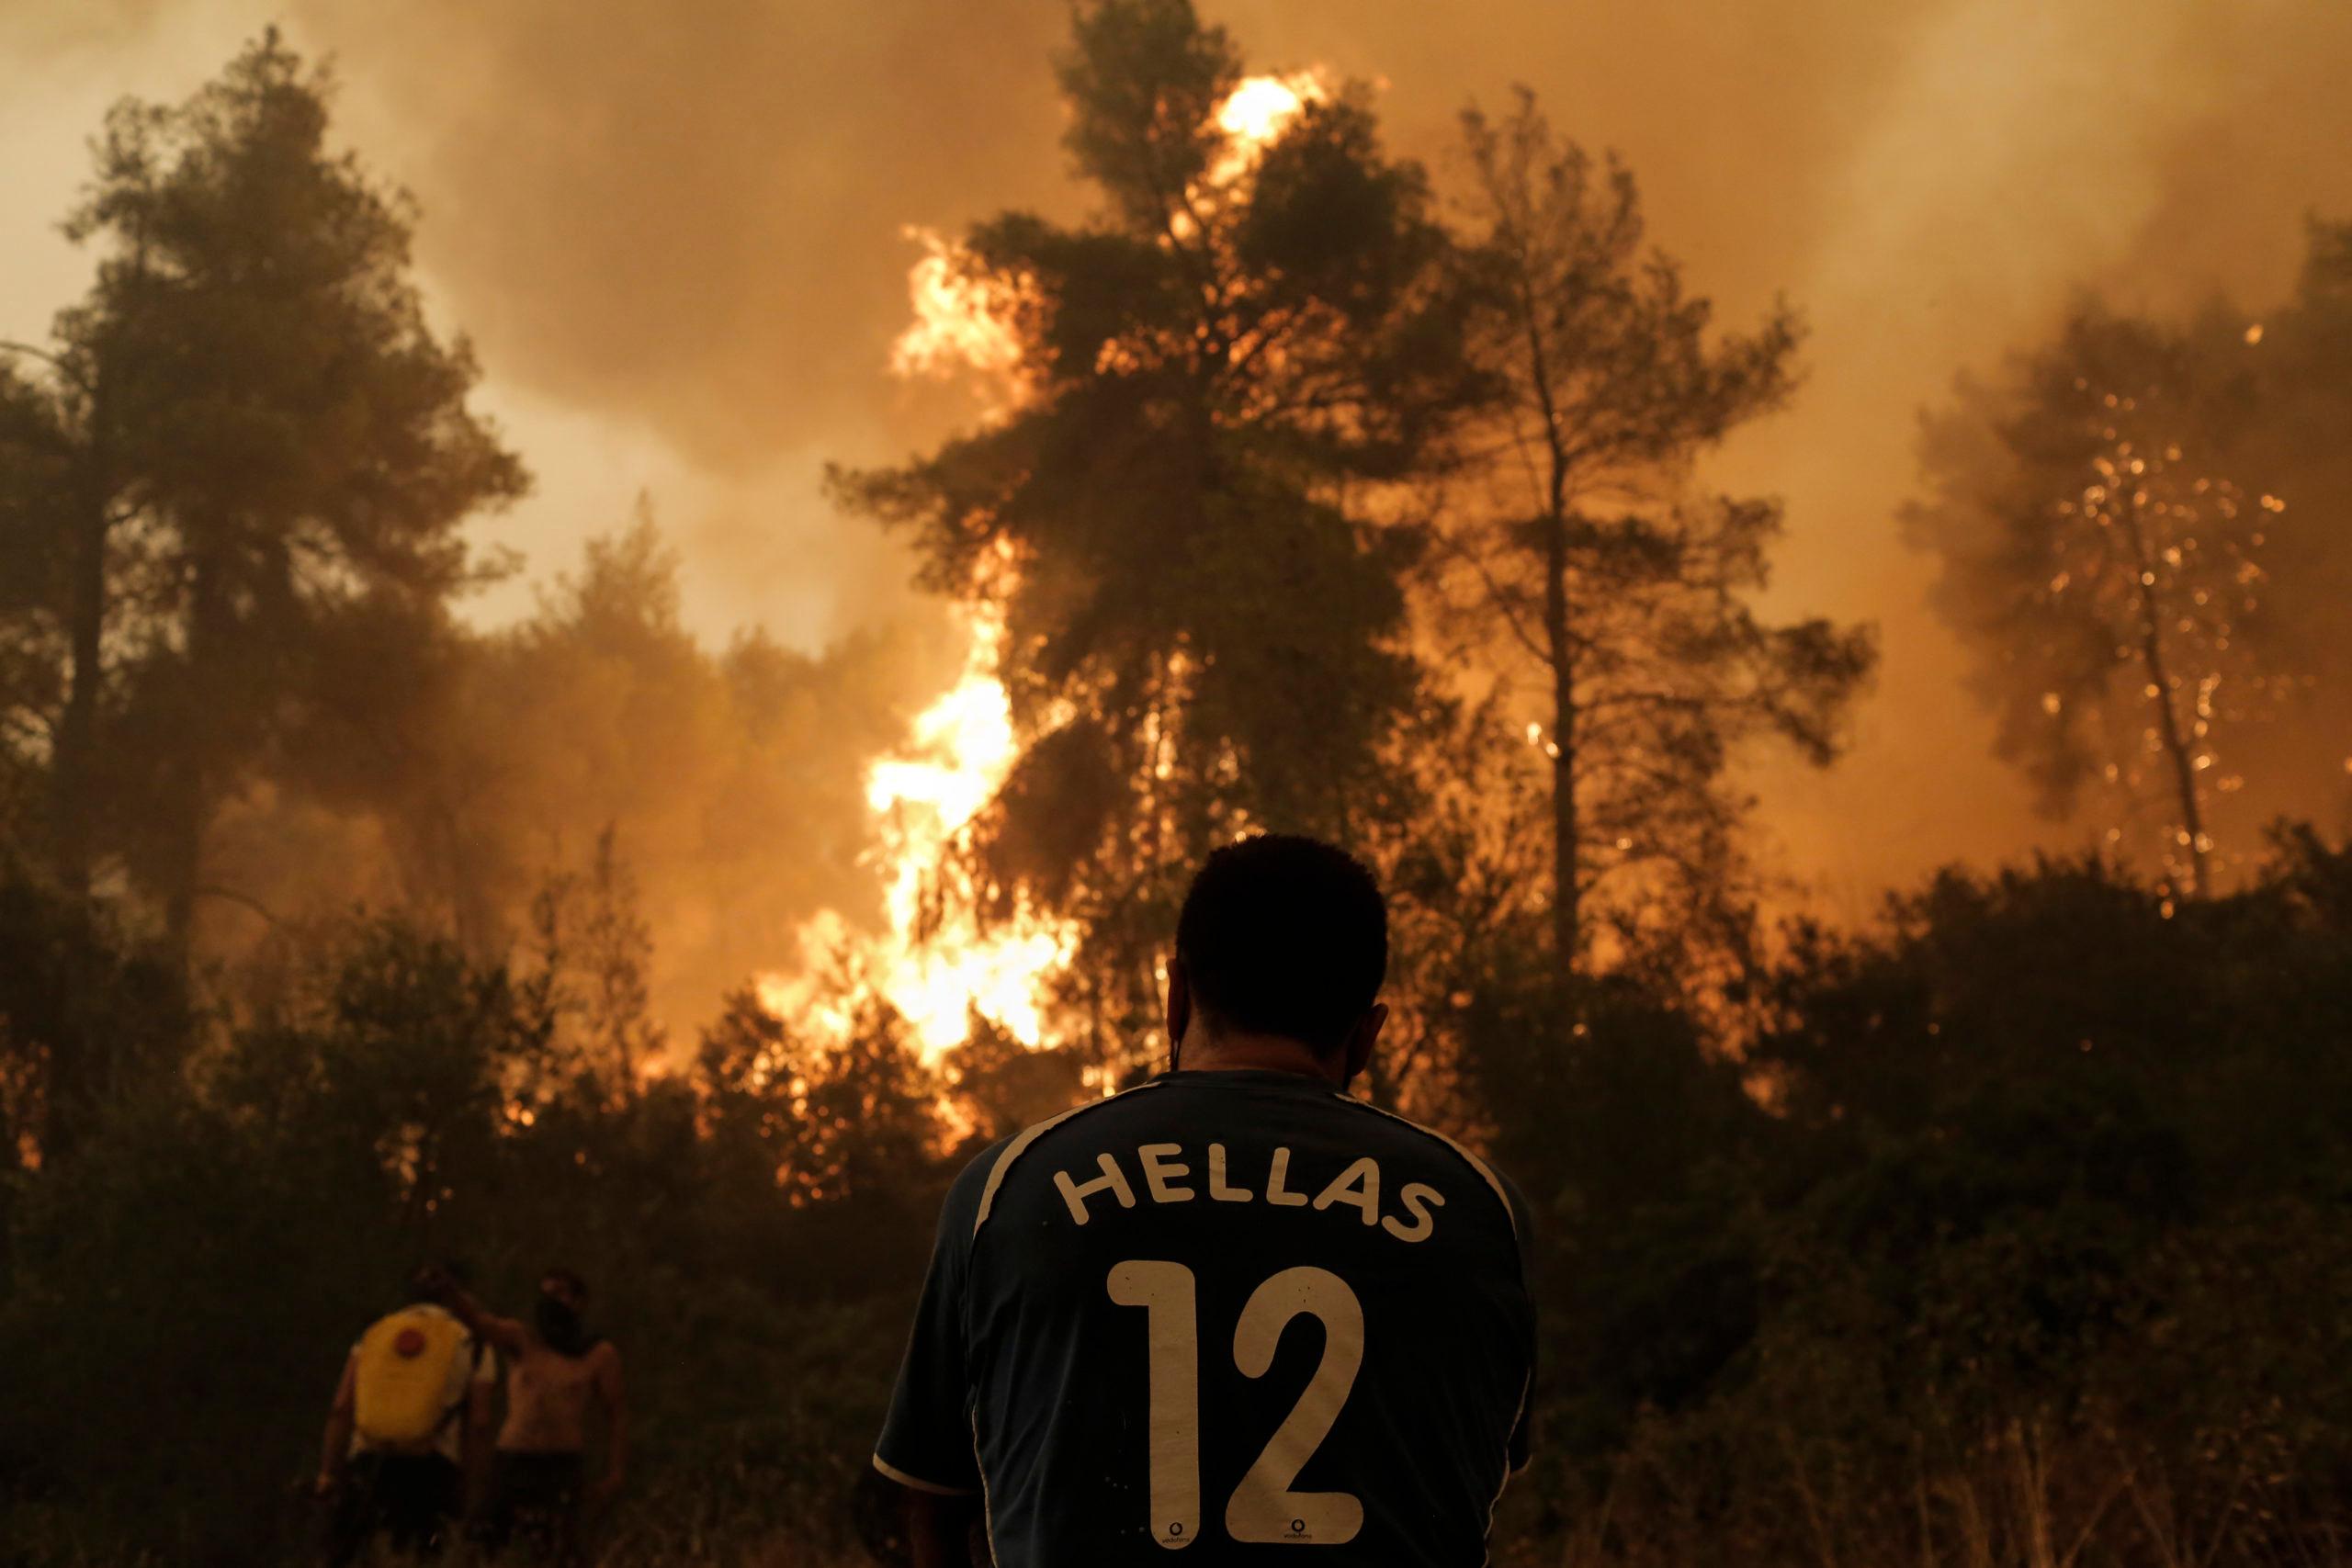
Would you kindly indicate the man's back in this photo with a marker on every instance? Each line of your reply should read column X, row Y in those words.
column 1231, row 1308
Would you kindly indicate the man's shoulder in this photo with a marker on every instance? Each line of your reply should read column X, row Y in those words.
column 1404, row 1129
column 971, row 1197
column 463, row 1337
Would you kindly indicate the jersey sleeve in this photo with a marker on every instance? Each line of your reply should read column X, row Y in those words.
column 1522, row 1447
column 926, row 1440
column 1522, row 1432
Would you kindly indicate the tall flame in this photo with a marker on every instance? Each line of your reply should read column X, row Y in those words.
column 1256, row 112
column 957, row 755
column 964, row 324
column 965, row 321
column 961, row 748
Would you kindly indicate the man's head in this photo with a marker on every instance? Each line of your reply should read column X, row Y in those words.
column 1281, row 937
column 430, row 1282
column 562, row 1308
column 563, row 1285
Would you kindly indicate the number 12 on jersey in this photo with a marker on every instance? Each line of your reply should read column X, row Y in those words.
column 1263, row 1508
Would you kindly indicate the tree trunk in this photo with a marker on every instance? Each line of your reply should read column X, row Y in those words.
column 2175, row 745
column 1567, row 921
column 2168, row 729
column 74, row 770
column 1559, row 647
column 190, row 806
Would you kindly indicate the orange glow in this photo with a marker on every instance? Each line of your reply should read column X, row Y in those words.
column 1257, row 111
column 962, row 748
column 966, row 320
column 964, row 325
column 957, row 755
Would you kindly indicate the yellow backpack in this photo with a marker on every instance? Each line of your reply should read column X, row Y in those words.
column 402, row 1384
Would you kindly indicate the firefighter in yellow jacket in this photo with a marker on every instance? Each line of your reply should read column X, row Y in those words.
column 411, row 1413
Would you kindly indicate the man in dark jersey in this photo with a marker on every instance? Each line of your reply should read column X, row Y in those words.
column 1232, row 1310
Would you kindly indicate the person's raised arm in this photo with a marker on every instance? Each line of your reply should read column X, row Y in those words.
column 504, row 1333
column 608, row 1389
column 336, row 1447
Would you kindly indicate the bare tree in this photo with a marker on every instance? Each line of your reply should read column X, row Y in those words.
column 1588, row 553
column 2106, row 566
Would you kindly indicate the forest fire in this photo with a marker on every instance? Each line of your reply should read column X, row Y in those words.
column 1257, row 110
column 963, row 326
column 939, row 967
column 588, row 748
column 937, row 974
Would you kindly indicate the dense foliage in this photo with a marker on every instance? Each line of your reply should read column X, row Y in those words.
column 1219, row 375
column 2019, row 1224
column 238, row 473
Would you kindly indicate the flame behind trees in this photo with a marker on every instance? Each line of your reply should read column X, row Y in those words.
column 1218, row 373
column 2098, row 550
column 935, row 963
column 960, row 966
column 1237, row 399
column 963, row 321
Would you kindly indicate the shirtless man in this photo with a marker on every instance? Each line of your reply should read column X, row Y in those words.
column 557, row 1370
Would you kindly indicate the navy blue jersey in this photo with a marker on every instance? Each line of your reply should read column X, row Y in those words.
column 1226, row 1312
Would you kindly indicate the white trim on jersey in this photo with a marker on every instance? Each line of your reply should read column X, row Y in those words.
column 1511, row 1470
column 1510, row 1212
column 918, row 1482
column 987, row 1502
column 1020, row 1145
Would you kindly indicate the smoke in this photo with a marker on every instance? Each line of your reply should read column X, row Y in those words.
column 1931, row 183
column 685, row 224
column 2018, row 154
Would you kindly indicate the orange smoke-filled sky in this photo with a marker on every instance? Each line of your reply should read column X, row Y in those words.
column 675, row 232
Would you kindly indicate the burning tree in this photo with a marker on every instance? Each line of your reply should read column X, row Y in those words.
column 1207, row 387
column 1583, row 550
column 2108, row 569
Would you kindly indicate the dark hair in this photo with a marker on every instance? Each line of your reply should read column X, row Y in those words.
column 421, row 1285
column 567, row 1278
column 1284, row 935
